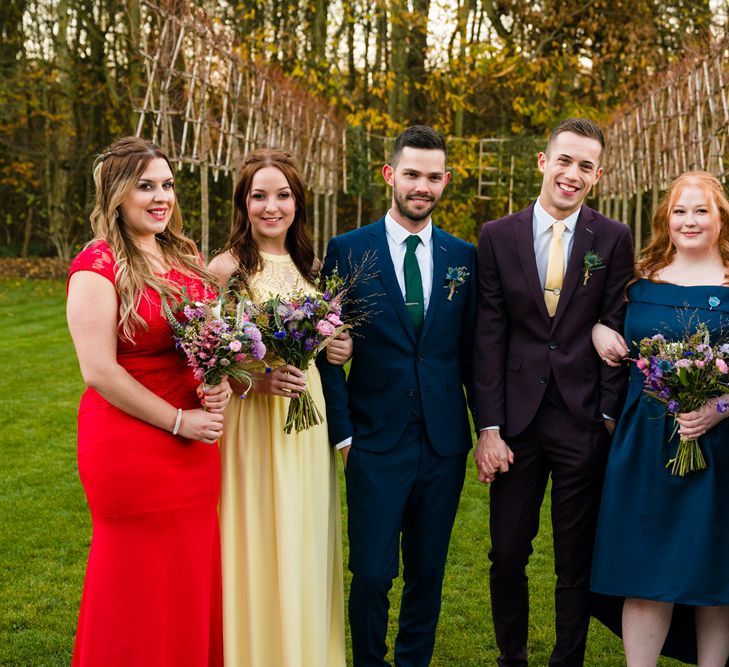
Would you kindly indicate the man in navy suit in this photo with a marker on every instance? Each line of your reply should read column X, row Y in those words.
column 545, row 403
column 400, row 419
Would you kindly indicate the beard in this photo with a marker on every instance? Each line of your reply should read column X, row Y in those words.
column 405, row 209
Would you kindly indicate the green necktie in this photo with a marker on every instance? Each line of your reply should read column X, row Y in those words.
column 413, row 284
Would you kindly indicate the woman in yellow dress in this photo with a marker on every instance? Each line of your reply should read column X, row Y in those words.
column 280, row 511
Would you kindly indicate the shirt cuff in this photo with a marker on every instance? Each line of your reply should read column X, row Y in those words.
column 345, row 443
column 608, row 417
column 490, row 428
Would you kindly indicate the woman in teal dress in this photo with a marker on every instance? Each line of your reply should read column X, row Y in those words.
column 662, row 542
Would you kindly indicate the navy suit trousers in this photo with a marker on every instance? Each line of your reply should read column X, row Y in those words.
column 412, row 491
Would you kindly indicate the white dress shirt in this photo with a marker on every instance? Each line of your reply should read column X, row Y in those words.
column 396, row 237
column 542, row 233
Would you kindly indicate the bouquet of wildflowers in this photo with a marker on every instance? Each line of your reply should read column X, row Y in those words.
column 684, row 375
column 216, row 343
column 295, row 329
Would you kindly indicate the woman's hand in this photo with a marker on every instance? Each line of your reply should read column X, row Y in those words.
column 339, row 350
column 609, row 344
column 285, row 380
column 215, row 398
column 202, row 425
column 695, row 424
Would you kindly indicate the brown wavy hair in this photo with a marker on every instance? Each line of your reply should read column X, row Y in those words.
column 241, row 243
column 660, row 251
column 116, row 172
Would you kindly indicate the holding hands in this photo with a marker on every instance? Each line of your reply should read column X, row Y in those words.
column 492, row 455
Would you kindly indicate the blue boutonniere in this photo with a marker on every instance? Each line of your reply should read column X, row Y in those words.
column 455, row 277
column 592, row 262
column 714, row 302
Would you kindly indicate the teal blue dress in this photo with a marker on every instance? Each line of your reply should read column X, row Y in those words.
column 663, row 537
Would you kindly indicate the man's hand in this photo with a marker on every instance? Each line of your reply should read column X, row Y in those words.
column 492, row 455
column 344, row 451
column 610, row 426
column 339, row 350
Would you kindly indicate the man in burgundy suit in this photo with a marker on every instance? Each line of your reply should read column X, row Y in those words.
column 545, row 402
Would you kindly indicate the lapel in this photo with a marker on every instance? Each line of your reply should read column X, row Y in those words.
column 437, row 293
column 524, row 238
column 378, row 243
column 585, row 234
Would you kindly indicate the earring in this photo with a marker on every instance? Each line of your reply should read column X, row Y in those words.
column 116, row 214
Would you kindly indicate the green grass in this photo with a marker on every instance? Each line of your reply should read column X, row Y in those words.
column 45, row 529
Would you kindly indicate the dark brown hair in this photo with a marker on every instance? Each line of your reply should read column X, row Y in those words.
column 241, row 243
column 660, row 251
column 418, row 136
column 582, row 126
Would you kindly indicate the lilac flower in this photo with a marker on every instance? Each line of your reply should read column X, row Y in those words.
column 258, row 349
column 673, row 406
column 193, row 313
column 721, row 406
column 297, row 335
column 327, row 296
column 684, row 363
column 724, row 349
column 310, row 344
column 253, row 333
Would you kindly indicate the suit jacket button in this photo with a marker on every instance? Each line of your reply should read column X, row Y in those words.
column 542, row 380
column 553, row 346
column 411, row 393
column 420, row 357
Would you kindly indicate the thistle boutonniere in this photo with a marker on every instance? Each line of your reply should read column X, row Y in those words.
column 455, row 277
column 592, row 262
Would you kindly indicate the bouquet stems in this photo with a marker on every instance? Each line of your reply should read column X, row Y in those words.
column 689, row 458
column 302, row 414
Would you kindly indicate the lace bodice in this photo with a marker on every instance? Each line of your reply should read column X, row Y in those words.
column 279, row 276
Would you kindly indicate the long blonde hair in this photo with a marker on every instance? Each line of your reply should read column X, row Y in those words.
column 116, row 172
column 660, row 251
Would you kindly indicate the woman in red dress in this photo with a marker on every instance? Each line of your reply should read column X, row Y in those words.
column 147, row 452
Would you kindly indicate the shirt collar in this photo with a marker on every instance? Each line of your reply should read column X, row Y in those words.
column 399, row 234
column 545, row 221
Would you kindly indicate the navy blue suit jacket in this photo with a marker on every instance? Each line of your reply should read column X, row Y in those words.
column 392, row 367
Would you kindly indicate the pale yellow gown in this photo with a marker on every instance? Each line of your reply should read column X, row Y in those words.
column 283, row 598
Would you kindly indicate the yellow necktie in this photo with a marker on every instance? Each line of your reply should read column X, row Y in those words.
column 555, row 269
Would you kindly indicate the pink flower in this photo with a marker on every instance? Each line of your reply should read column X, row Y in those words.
column 235, row 346
column 334, row 319
column 722, row 366
column 699, row 363
column 240, row 357
column 325, row 328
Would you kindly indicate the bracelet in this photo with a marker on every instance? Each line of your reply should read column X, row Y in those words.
column 178, row 421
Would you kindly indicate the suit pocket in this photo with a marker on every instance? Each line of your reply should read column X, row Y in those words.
column 513, row 363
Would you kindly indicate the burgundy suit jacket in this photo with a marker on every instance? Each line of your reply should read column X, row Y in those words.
column 518, row 346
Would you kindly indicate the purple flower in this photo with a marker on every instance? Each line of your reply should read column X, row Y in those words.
column 327, row 295
column 279, row 335
column 258, row 349
column 297, row 335
column 722, row 406
column 310, row 344
column 673, row 406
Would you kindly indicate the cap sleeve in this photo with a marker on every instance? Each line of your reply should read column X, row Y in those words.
column 97, row 258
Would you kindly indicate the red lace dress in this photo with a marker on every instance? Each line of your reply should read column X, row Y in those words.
column 152, row 595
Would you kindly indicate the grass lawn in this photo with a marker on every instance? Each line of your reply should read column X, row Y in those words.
column 45, row 530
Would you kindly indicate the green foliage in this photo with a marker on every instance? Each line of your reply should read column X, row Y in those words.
column 45, row 532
